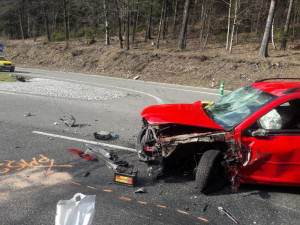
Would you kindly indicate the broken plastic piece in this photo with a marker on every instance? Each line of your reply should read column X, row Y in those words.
column 136, row 77
column 225, row 212
column 140, row 190
column 100, row 153
column 82, row 154
column 102, row 135
column 69, row 123
column 205, row 207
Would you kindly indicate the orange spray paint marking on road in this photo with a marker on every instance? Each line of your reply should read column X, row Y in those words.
column 22, row 164
column 144, row 203
column 106, row 190
column 200, row 218
column 161, row 206
column 183, row 212
column 91, row 187
column 124, row 198
column 70, row 182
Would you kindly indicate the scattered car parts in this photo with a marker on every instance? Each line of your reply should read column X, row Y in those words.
column 71, row 122
column 225, row 212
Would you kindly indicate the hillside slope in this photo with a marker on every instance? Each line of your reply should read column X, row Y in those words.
column 192, row 67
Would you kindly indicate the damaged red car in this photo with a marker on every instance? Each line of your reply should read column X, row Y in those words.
column 251, row 135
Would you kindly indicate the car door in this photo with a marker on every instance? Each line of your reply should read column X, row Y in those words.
column 274, row 141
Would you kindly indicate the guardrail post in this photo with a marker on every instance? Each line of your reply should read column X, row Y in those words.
column 221, row 88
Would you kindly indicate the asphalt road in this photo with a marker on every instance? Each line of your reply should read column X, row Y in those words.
column 37, row 170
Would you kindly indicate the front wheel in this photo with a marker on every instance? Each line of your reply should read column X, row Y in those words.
column 12, row 70
column 210, row 174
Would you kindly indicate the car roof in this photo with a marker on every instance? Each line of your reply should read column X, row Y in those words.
column 276, row 87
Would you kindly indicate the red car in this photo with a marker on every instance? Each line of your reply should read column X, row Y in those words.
column 251, row 135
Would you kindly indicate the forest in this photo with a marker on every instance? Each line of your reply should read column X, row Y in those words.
column 209, row 21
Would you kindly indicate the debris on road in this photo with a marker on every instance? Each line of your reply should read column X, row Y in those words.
column 56, row 123
column 86, row 174
column 70, row 122
column 140, row 190
column 136, row 77
column 19, row 78
column 28, row 114
column 102, row 135
column 123, row 174
column 78, row 210
column 205, row 207
column 82, row 154
column 126, row 176
column 225, row 212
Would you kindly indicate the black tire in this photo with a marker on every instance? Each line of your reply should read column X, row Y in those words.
column 210, row 172
column 138, row 144
column 12, row 70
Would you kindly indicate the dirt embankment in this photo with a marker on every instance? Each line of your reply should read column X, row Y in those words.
column 193, row 67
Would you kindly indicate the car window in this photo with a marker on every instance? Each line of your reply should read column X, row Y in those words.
column 233, row 108
column 2, row 58
column 284, row 116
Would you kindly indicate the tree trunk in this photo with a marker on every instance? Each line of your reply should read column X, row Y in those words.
column 160, row 23
column 118, row 14
column 164, row 30
column 134, row 26
column 194, row 16
column 105, row 7
column 233, row 26
column 272, row 35
column 286, row 26
column 182, row 35
column 34, row 29
column 46, row 22
column 28, row 22
column 67, row 37
column 263, row 51
column 21, row 23
column 202, row 19
column 208, row 29
column 228, row 25
column 127, row 24
column 148, row 31
column 174, row 19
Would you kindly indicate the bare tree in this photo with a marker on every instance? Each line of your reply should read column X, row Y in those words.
column 182, row 35
column 286, row 26
column 66, row 22
column 126, row 21
column 21, row 20
column 175, row 18
column 148, row 31
column 263, row 51
column 105, row 7
column 160, row 22
column 118, row 14
column 45, row 15
column 233, row 25
column 228, row 24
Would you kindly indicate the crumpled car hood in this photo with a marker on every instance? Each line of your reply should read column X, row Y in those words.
column 186, row 114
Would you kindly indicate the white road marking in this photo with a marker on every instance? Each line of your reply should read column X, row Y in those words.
column 84, row 141
column 179, row 89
